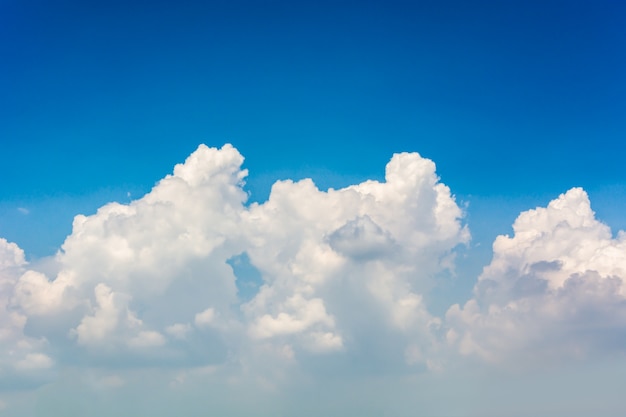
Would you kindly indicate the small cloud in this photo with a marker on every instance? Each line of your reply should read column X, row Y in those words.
column 178, row 330
column 321, row 342
column 34, row 361
column 23, row 210
column 147, row 339
column 205, row 318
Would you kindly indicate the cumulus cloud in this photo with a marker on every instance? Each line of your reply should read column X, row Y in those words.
column 344, row 280
column 339, row 267
column 129, row 271
column 22, row 357
column 11, row 259
column 553, row 290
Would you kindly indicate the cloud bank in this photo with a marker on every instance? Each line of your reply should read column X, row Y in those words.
column 345, row 277
column 554, row 290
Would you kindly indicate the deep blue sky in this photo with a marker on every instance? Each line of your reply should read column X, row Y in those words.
column 507, row 97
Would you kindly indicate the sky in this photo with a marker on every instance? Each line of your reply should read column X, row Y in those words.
column 341, row 208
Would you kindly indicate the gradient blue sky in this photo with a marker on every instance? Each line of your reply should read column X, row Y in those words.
column 507, row 98
column 515, row 101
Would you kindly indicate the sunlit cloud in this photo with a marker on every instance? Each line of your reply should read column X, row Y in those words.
column 193, row 281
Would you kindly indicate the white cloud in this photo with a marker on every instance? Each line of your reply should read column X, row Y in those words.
column 341, row 268
column 351, row 264
column 205, row 318
column 129, row 271
column 324, row 342
column 553, row 290
column 36, row 295
column 346, row 276
column 344, row 272
column 34, row 361
column 21, row 356
column 11, row 258
column 299, row 315
column 139, row 267
column 178, row 330
column 110, row 316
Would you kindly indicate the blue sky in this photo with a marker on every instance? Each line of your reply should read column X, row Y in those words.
column 507, row 98
column 515, row 102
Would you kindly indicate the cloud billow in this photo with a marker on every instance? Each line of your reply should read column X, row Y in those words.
column 344, row 278
column 24, row 360
column 554, row 290
column 152, row 277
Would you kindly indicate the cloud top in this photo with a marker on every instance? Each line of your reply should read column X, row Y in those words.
column 555, row 289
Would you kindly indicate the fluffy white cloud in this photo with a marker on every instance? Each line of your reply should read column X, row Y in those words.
column 339, row 267
column 553, row 290
column 129, row 272
column 22, row 357
column 343, row 268
column 345, row 281
column 205, row 318
column 141, row 302
column 111, row 320
column 178, row 330
column 11, row 260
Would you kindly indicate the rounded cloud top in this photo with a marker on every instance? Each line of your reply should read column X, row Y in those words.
column 553, row 290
